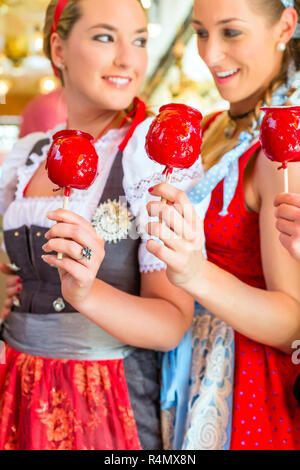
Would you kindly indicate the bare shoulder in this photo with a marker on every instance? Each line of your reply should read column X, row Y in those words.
column 269, row 178
column 281, row 271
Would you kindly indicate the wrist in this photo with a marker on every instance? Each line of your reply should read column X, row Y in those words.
column 197, row 283
column 81, row 303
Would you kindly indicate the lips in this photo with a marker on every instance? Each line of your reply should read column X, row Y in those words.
column 117, row 81
column 223, row 77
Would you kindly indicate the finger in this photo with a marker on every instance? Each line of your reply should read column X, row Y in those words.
column 13, row 281
column 69, row 217
column 5, row 269
column 167, row 236
column 12, row 291
column 7, row 304
column 285, row 226
column 71, row 249
column 287, row 198
column 79, row 272
column 174, row 220
column 291, row 244
column 175, row 196
column 74, row 232
column 288, row 212
column 4, row 313
column 166, row 255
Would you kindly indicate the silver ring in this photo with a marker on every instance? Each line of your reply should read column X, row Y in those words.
column 13, row 267
column 16, row 302
column 86, row 253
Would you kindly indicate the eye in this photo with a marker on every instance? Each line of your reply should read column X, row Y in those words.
column 103, row 38
column 232, row 33
column 202, row 33
column 140, row 42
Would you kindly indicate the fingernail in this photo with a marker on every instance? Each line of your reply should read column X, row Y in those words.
column 19, row 280
column 19, row 289
column 43, row 247
column 46, row 235
column 50, row 214
column 151, row 189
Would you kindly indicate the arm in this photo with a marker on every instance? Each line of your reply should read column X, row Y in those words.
column 270, row 317
column 157, row 320
column 288, row 222
column 13, row 287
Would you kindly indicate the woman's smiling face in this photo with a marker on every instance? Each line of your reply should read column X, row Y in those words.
column 105, row 55
column 239, row 46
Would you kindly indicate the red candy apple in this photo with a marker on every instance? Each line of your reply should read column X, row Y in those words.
column 174, row 138
column 280, row 134
column 72, row 160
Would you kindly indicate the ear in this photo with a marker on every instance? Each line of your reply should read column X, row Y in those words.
column 57, row 50
column 288, row 24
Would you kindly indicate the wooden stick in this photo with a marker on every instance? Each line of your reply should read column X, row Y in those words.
column 65, row 206
column 168, row 181
column 286, row 179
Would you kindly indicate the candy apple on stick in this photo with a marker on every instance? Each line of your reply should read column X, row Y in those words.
column 280, row 136
column 174, row 138
column 72, row 162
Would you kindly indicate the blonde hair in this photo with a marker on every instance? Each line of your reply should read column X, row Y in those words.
column 70, row 15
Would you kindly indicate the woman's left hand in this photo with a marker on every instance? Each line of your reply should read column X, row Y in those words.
column 181, row 231
column 70, row 236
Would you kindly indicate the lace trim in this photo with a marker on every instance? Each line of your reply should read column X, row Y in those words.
column 138, row 190
column 150, row 268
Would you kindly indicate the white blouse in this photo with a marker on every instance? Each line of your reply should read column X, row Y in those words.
column 140, row 173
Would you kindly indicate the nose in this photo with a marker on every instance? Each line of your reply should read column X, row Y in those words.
column 212, row 51
column 123, row 55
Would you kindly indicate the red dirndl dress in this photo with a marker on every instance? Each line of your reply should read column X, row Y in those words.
column 265, row 412
column 63, row 404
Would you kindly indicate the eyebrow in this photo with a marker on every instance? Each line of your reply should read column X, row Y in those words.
column 228, row 20
column 112, row 28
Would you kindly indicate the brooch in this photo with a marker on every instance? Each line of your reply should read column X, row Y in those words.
column 112, row 221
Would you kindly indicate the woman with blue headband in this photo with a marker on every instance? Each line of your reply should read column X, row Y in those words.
column 230, row 383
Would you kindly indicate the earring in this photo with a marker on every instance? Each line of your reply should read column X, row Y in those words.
column 281, row 46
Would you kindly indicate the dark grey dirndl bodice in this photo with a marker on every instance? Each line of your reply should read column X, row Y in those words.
column 45, row 324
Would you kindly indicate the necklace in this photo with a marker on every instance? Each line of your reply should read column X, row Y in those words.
column 239, row 116
column 231, row 127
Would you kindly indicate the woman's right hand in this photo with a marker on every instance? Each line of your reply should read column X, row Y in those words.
column 288, row 222
column 83, row 251
column 13, row 287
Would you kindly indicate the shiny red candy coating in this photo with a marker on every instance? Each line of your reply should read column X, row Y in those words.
column 174, row 138
column 72, row 160
column 280, row 134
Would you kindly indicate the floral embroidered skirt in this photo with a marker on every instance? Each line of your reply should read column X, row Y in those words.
column 57, row 404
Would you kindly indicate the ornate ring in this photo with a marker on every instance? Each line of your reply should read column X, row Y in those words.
column 16, row 302
column 86, row 253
